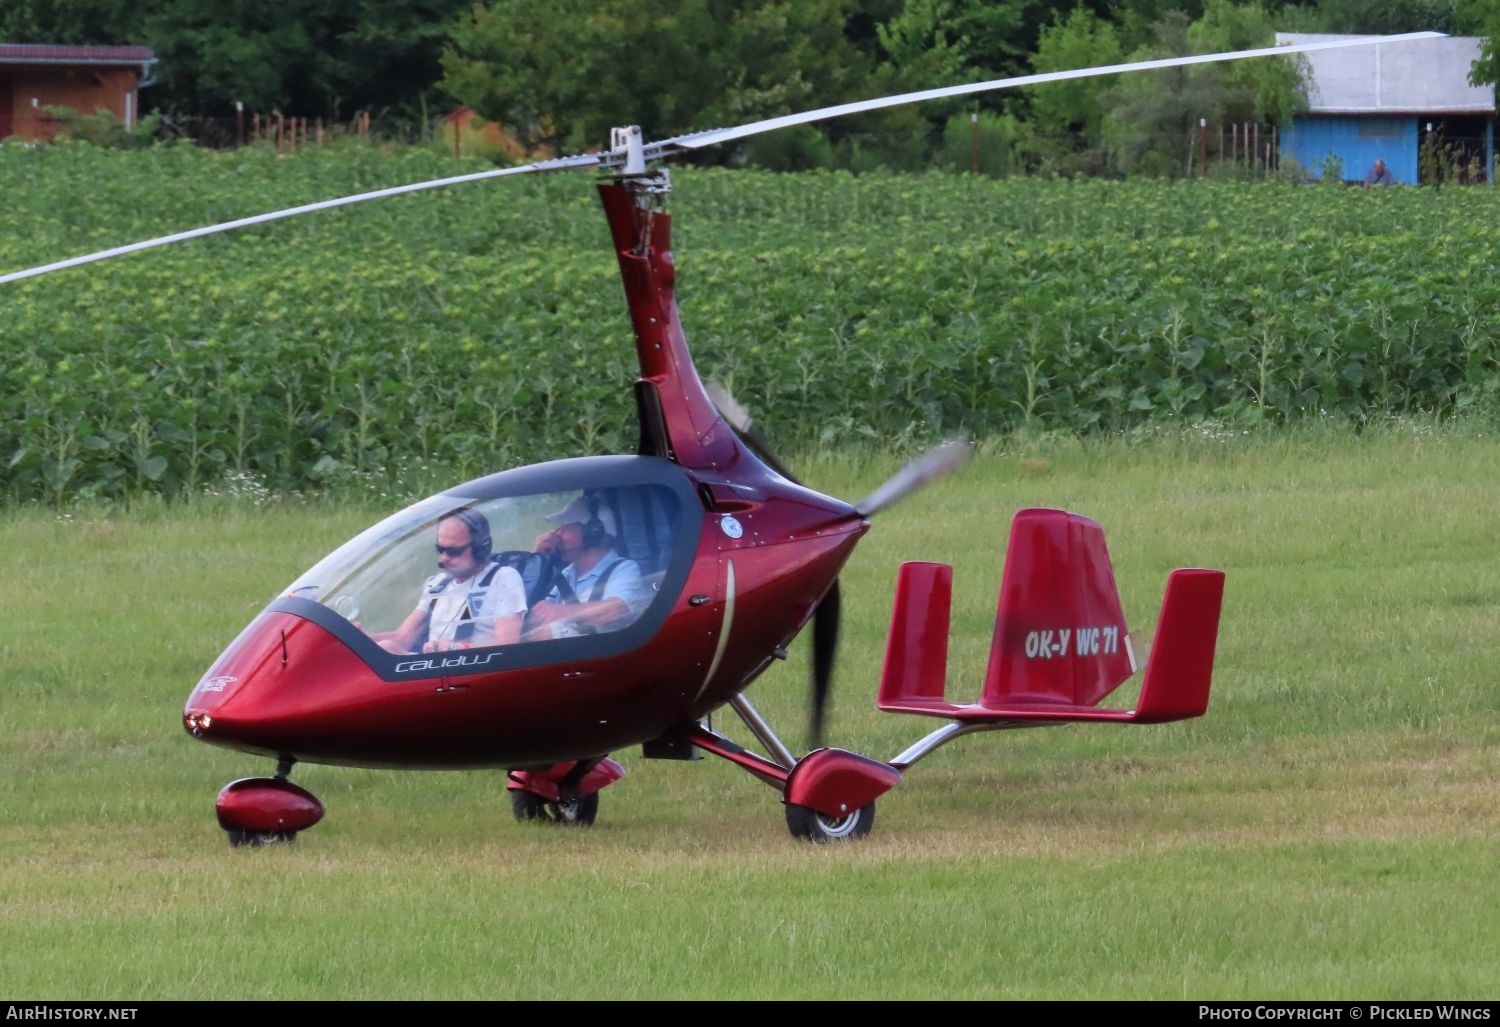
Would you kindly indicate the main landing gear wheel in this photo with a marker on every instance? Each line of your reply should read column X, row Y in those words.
column 529, row 806
column 813, row 826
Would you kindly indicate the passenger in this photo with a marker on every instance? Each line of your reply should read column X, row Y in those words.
column 598, row 590
column 472, row 603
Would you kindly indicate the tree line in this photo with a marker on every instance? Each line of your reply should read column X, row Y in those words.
column 561, row 74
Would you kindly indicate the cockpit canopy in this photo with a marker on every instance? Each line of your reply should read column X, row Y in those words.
column 571, row 559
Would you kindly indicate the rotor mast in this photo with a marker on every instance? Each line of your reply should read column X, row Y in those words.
column 641, row 230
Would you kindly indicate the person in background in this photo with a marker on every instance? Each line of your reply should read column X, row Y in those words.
column 1379, row 174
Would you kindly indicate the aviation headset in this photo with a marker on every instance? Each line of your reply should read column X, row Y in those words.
column 595, row 534
column 478, row 524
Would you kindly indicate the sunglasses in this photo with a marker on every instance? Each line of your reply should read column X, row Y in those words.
column 453, row 550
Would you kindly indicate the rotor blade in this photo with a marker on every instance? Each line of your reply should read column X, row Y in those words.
column 739, row 419
column 713, row 137
column 931, row 465
column 825, row 643
column 560, row 164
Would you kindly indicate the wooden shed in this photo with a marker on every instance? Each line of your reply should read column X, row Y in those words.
column 88, row 79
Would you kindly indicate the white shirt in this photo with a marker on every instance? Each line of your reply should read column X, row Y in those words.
column 450, row 604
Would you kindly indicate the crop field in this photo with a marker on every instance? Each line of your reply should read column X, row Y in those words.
column 484, row 326
column 1328, row 830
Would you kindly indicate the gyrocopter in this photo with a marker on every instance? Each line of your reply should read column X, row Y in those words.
column 586, row 605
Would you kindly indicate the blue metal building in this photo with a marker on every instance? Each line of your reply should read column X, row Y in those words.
column 1385, row 102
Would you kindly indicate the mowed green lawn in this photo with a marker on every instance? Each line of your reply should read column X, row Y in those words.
column 1328, row 830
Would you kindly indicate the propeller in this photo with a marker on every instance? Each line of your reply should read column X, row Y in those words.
column 926, row 468
column 825, row 645
column 629, row 154
column 738, row 418
column 825, row 629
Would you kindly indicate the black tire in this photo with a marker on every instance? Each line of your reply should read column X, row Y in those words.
column 810, row 825
column 531, row 807
column 255, row 839
column 576, row 812
column 528, row 806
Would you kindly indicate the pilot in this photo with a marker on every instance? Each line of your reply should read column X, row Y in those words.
column 598, row 590
column 472, row 602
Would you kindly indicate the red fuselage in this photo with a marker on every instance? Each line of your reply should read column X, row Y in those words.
column 290, row 687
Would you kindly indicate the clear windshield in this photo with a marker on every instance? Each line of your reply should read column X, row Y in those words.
column 449, row 573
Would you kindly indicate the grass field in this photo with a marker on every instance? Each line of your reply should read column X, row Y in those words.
column 1328, row 830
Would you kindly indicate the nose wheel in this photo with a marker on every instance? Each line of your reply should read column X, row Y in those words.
column 255, row 839
column 255, row 811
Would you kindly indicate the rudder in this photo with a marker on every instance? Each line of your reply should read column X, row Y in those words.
column 1060, row 635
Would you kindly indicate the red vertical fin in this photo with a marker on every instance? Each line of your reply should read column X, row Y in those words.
column 1060, row 635
column 916, row 651
column 1181, row 666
